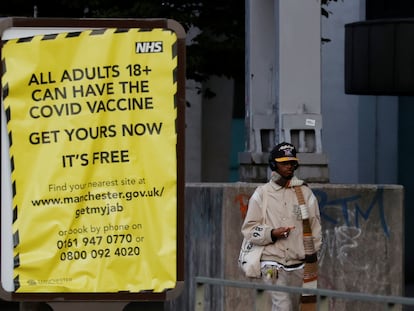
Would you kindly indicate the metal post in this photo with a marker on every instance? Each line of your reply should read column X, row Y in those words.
column 393, row 307
column 199, row 303
column 93, row 306
column 323, row 303
column 260, row 302
column 32, row 306
column 90, row 306
column 143, row 306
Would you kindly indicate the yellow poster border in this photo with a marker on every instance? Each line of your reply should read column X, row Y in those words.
column 30, row 23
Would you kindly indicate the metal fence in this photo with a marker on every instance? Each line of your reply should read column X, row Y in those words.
column 390, row 303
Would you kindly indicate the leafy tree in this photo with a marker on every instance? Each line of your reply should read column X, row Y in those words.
column 324, row 7
column 325, row 12
column 217, row 50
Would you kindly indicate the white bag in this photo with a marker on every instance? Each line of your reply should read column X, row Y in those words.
column 249, row 258
column 250, row 254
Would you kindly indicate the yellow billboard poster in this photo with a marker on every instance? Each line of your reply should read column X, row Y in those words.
column 91, row 120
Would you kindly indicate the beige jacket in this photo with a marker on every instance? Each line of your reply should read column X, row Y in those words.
column 282, row 211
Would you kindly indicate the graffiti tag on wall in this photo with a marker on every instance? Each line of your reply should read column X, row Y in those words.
column 346, row 215
column 352, row 210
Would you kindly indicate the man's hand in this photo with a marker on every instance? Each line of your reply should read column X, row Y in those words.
column 281, row 232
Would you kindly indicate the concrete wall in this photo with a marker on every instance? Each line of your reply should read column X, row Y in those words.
column 362, row 251
column 363, row 232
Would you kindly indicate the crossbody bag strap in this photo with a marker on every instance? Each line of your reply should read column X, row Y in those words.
column 310, row 275
column 264, row 205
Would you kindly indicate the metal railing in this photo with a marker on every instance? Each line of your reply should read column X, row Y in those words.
column 390, row 303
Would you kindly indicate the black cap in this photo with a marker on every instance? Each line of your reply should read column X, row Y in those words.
column 281, row 153
column 284, row 152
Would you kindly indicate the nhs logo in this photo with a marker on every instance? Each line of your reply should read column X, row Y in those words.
column 148, row 47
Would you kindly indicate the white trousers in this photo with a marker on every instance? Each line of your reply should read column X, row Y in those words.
column 283, row 301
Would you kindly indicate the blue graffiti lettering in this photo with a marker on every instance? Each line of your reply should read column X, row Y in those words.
column 347, row 203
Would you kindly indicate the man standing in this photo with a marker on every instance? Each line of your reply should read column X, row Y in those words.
column 281, row 232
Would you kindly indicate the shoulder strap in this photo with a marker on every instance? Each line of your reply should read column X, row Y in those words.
column 299, row 194
column 264, row 205
column 301, row 201
column 310, row 275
